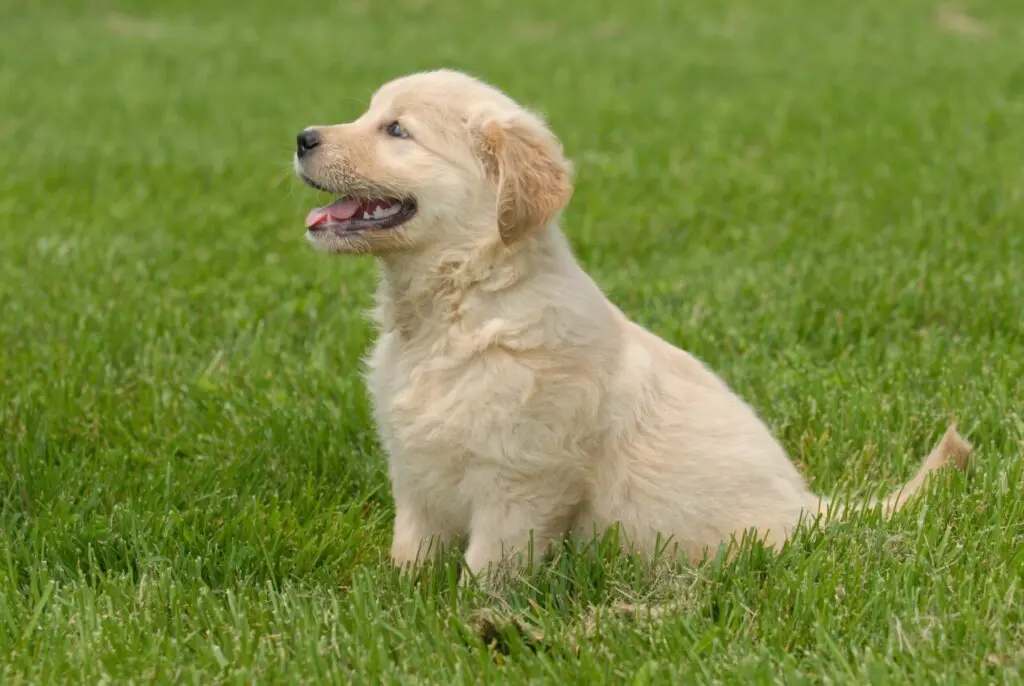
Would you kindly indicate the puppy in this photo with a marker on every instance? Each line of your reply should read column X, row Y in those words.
column 517, row 404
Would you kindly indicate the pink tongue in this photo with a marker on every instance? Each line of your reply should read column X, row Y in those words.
column 337, row 211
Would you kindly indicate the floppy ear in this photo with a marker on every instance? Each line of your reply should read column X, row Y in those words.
column 533, row 176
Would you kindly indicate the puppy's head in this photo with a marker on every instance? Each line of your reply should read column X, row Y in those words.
column 439, row 158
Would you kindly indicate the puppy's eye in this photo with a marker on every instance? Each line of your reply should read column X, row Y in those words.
column 395, row 130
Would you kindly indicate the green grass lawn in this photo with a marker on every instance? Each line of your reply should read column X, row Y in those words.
column 823, row 200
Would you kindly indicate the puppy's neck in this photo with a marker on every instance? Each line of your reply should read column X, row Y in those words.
column 428, row 290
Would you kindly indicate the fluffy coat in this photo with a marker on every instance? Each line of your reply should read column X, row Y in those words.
column 516, row 403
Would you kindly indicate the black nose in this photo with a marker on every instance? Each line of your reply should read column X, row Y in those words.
column 306, row 141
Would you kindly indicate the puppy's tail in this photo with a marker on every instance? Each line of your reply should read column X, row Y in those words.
column 952, row 449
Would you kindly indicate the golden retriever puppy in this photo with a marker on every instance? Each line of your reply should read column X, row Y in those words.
column 517, row 404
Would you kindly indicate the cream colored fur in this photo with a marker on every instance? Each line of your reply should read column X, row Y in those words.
column 515, row 402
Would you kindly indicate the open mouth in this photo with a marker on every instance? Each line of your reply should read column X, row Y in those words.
column 353, row 215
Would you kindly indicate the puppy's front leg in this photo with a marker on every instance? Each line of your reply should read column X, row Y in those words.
column 416, row 535
column 505, row 532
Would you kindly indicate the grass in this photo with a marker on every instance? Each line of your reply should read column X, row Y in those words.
column 824, row 201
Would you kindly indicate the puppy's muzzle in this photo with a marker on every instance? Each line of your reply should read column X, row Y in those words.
column 307, row 140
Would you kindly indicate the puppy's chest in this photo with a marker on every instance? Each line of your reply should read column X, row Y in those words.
column 435, row 404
